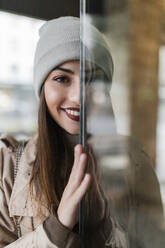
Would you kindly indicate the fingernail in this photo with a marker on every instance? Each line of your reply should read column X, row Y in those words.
column 77, row 147
column 86, row 177
column 82, row 156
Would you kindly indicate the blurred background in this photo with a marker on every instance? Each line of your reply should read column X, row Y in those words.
column 18, row 105
column 135, row 31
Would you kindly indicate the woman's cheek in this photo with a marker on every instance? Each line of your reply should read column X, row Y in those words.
column 50, row 93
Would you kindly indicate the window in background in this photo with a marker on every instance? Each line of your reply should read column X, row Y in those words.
column 19, row 35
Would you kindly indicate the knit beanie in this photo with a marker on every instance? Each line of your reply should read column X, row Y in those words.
column 59, row 42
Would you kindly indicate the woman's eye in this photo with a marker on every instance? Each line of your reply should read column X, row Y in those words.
column 61, row 79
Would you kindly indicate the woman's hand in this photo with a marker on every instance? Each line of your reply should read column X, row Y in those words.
column 77, row 186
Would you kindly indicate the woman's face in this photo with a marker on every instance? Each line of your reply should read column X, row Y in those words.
column 62, row 94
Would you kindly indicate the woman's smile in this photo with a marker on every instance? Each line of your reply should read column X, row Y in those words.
column 72, row 113
column 62, row 95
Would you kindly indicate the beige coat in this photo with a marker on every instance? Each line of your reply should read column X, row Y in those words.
column 16, row 202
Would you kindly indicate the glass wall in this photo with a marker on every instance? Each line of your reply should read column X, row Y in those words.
column 125, row 116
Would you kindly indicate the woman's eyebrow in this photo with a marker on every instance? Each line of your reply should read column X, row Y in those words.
column 88, row 71
column 63, row 69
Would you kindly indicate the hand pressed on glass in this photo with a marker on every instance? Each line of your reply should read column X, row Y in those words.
column 78, row 184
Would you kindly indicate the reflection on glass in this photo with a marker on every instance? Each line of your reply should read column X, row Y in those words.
column 126, row 159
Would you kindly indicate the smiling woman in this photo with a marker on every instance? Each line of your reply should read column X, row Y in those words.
column 39, row 208
column 62, row 95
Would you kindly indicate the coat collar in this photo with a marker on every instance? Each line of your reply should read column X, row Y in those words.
column 21, row 203
column 9, row 142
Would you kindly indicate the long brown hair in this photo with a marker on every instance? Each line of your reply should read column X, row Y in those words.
column 54, row 157
column 53, row 165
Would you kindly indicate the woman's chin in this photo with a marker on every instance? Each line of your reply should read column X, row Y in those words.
column 73, row 131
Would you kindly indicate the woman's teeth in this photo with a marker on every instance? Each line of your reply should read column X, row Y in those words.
column 71, row 112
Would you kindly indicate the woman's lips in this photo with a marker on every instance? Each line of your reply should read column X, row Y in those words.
column 72, row 117
column 73, row 113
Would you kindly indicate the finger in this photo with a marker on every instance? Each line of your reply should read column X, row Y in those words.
column 70, row 185
column 83, row 188
column 80, row 169
column 77, row 175
column 77, row 153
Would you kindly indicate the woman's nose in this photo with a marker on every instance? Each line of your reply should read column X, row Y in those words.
column 74, row 92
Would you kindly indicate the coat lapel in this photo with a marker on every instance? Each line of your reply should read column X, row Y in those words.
column 21, row 203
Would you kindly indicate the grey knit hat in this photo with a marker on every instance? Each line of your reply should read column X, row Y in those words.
column 60, row 42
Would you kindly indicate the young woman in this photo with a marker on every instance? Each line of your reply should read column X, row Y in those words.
column 40, row 191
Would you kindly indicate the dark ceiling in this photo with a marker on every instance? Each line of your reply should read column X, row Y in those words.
column 49, row 9
column 41, row 9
